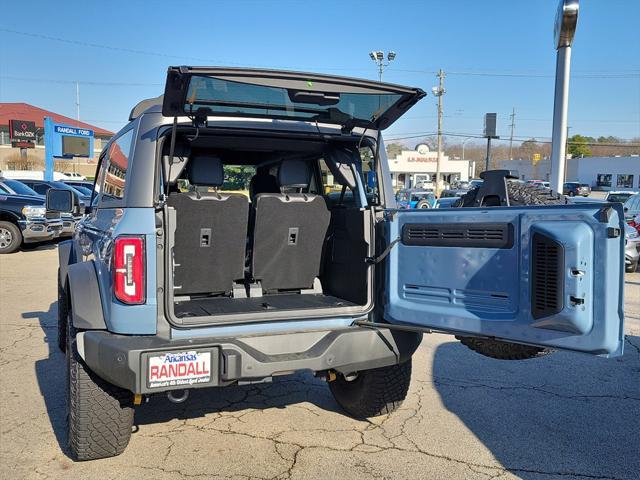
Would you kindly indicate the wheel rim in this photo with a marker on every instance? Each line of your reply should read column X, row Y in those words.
column 6, row 237
column 424, row 206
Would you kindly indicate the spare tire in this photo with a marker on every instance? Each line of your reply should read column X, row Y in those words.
column 519, row 194
column 423, row 204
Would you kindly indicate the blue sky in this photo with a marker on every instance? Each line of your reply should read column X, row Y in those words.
column 509, row 40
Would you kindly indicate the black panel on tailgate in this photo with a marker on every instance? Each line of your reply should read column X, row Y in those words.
column 475, row 235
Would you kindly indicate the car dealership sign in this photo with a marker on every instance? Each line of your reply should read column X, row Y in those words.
column 22, row 133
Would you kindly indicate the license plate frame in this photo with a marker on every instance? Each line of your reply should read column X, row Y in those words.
column 184, row 368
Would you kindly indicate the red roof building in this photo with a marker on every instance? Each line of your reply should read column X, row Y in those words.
column 24, row 111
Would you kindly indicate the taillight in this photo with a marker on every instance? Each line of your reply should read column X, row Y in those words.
column 129, row 270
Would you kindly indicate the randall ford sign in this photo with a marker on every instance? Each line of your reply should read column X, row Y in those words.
column 81, row 132
column 22, row 133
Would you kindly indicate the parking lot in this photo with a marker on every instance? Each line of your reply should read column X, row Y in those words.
column 466, row 416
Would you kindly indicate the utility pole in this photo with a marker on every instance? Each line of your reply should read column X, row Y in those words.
column 78, row 101
column 438, row 92
column 513, row 125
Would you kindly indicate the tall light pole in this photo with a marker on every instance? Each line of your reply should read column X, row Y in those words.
column 565, row 29
column 378, row 56
column 438, row 92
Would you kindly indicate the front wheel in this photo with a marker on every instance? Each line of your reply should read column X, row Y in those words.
column 373, row 392
column 100, row 415
column 10, row 237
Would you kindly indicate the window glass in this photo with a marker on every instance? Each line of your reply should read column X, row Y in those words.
column 369, row 177
column 333, row 190
column 3, row 190
column 237, row 178
column 103, row 162
column 41, row 188
column 603, row 180
column 118, row 163
column 19, row 187
column 625, row 181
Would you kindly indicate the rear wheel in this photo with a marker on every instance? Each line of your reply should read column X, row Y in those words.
column 10, row 237
column 519, row 195
column 373, row 392
column 100, row 415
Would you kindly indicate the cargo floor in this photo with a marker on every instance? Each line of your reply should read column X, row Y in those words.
column 201, row 307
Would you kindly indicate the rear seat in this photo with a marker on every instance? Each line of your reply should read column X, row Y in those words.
column 210, row 236
column 289, row 232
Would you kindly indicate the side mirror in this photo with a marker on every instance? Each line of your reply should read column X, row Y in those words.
column 59, row 200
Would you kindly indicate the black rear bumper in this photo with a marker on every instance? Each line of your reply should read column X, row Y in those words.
column 123, row 359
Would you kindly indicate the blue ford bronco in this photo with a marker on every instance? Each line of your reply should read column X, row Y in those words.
column 243, row 226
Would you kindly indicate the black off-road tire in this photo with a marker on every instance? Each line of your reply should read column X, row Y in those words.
column 423, row 204
column 63, row 313
column 519, row 194
column 373, row 392
column 11, row 235
column 100, row 415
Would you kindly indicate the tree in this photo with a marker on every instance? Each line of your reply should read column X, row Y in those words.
column 528, row 148
column 579, row 146
column 394, row 149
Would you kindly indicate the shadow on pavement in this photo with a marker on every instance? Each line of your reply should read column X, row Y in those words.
column 283, row 391
column 558, row 415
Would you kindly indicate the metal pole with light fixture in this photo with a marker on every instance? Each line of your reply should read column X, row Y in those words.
column 378, row 57
column 438, row 92
column 565, row 29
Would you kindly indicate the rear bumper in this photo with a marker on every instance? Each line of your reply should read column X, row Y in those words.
column 39, row 229
column 123, row 359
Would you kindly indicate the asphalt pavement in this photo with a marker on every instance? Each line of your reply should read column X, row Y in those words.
column 566, row 415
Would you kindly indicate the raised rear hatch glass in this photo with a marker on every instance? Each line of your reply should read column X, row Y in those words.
column 349, row 102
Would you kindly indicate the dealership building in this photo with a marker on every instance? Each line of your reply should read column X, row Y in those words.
column 410, row 167
column 600, row 173
column 14, row 154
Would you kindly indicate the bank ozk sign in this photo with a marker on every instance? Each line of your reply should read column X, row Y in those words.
column 22, row 133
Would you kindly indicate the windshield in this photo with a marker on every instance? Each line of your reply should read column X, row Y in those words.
column 64, row 186
column 20, row 188
column 416, row 197
column 618, row 197
column 225, row 96
column 81, row 189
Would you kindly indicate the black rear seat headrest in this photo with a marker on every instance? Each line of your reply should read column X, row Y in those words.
column 205, row 170
column 293, row 173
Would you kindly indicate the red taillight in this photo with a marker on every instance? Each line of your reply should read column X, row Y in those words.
column 129, row 270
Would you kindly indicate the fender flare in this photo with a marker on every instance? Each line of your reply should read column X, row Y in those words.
column 66, row 258
column 86, row 304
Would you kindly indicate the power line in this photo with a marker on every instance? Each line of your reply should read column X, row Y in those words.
column 634, row 73
column 81, row 82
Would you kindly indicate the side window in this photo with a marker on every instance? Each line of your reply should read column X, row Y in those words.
column 41, row 188
column 3, row 190
column 117, row 163
column 98, row 187
column 369, row 176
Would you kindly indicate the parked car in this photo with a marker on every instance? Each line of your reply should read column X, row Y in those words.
column 619, row 197
column 163, row 290
column 73, row 176
column 31, row 174
column 476, row 182
column 446, row 202
column 23, row 218
column 453, row 192
column 16, row 187
column 415, row 198
column 632, row 249
column 69, row 219
column 573, row 189
column 632, row 207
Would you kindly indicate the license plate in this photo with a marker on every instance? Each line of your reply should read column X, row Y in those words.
column 179, row 368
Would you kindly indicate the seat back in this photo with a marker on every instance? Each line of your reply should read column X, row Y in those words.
column 289, row 232
column 211, row 231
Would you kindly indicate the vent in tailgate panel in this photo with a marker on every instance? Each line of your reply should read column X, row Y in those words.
column 547, row 279
column 476, row 235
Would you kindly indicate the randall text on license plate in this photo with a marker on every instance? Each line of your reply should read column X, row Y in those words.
column 179, row 368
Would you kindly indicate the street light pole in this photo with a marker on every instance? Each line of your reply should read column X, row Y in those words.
column 438, row 92
column 378, row 57
column 565, row 28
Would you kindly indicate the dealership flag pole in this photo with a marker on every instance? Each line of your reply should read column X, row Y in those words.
column 565, row 28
